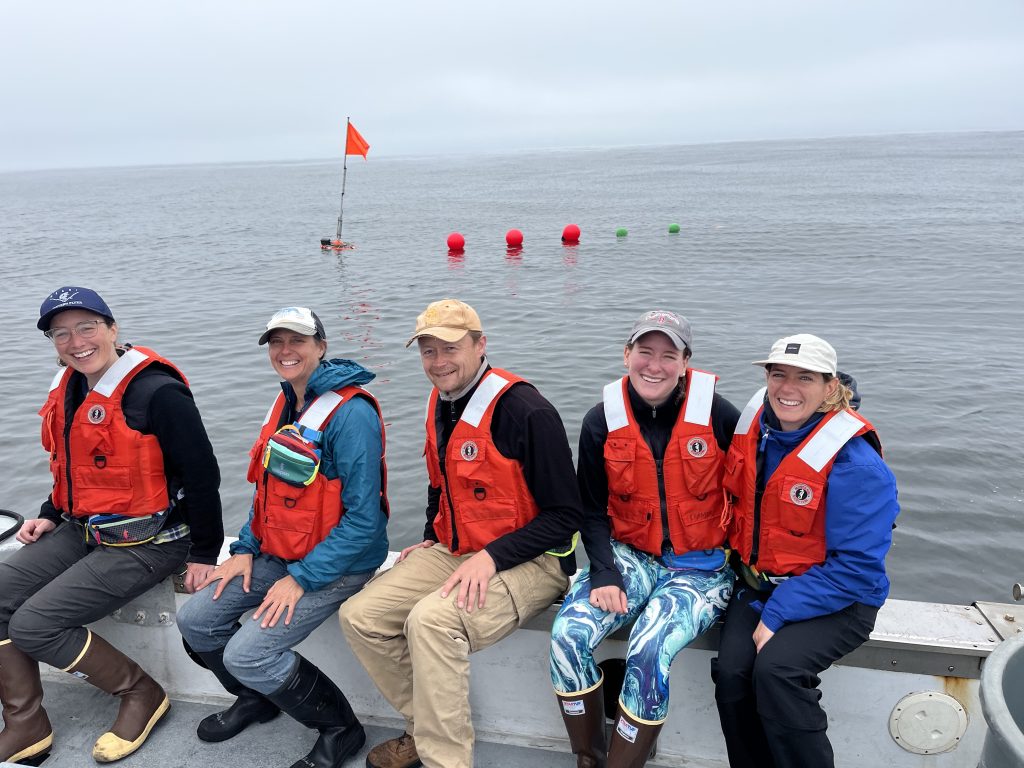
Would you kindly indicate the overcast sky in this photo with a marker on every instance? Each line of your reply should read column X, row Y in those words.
column 119, row 82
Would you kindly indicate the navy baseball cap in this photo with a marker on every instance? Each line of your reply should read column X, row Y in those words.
column 71, row 298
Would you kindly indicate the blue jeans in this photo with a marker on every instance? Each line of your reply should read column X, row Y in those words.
column 260, row 658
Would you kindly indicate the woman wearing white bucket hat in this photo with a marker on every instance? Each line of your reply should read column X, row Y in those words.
column 813, row 506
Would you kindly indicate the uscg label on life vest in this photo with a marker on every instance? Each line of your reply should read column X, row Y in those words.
column 697, row 447
column 469, row 451
column 626, row 731
column 801, row 494
column 97, row 414
column 574, row 707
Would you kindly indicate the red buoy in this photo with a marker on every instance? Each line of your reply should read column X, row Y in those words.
column 456, row 242
column 571, row 234
column 514, row 238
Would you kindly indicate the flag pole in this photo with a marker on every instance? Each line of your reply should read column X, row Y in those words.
column 344, row 173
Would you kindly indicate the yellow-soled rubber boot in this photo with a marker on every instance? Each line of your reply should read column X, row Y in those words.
column 143, row 701
column 27, row 736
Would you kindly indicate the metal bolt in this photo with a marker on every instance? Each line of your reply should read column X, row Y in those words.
column 164, row 617
column 116, row 614
column 991, row 639
column 893, row 662
column 1009, row 617
column 950, row 668
column 140, row 616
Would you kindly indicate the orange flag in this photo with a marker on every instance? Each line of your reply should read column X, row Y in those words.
column 354, row 143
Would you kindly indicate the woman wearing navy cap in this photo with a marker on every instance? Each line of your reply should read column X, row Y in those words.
column 650, row 474
column 135, row 496
column 813, row 505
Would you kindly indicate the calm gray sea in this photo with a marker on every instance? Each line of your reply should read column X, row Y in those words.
column 904, row 251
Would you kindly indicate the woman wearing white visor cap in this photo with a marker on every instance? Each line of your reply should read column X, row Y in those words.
column 316, row 532
column 813, row 506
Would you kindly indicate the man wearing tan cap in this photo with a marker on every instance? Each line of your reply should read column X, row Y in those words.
column 502, row 510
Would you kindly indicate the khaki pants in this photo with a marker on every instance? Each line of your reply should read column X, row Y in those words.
column 415, row 645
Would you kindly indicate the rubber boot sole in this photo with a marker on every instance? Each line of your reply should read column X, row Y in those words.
column 34, row 754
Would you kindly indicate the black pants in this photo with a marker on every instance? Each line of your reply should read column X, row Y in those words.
column 768, row 701
column 52, row 587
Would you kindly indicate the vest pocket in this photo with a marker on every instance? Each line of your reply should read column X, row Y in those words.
column 800, row 502
column 110, row 486
column 791, row 554
column 291, row 519
column 702, row 466
column 480, row 523
column 630, row 523
column 619, row 463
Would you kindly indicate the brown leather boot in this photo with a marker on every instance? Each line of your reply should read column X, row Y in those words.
column 27, row 736
column 583, row 715
column 633, row 741
column 394, row 753
column 143, row 701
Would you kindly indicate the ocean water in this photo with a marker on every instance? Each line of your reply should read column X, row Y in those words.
column 904, row 251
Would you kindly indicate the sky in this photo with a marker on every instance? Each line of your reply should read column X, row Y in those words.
column 118, row 82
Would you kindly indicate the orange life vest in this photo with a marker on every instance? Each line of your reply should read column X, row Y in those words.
column 691, row 473
column 111, row 468
column 788, row 532
column 290, row 521
column 484, row 492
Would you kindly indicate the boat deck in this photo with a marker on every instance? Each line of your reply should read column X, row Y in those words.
column 79, row 713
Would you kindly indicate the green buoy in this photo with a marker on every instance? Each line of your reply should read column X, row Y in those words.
column 673, row 229
column 621, row 232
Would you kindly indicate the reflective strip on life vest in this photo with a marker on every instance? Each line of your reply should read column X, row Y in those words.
column 320, row 410
column 118, row 371
column 615, row 406
column 482, row 398
column 821, row 448
column 750, row 411
column 699, row 394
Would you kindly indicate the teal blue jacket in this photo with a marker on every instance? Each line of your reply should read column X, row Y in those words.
column 352, row 447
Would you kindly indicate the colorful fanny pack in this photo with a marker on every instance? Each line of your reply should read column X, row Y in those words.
column 111, row 530
column 291, row 458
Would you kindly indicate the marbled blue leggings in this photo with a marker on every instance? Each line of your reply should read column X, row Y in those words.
column 671, row 608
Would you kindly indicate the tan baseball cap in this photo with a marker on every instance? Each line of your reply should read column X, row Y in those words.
column 448, row 320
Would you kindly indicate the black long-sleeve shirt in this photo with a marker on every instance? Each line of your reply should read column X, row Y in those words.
column 527, row 428
column 656, row 425
column 157, row 403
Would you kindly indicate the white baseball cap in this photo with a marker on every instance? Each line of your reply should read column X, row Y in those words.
column 803, row 351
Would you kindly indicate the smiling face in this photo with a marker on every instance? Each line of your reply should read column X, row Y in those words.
column 89, row 356
column 795, row 394
column 451, row 365
column 655, row 366
column 295, row 356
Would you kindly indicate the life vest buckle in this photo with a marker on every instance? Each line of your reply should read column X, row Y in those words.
column 289, row 502
column 99, row 461
column 480, row 493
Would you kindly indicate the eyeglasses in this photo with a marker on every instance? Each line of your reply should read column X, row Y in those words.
column 86, row 329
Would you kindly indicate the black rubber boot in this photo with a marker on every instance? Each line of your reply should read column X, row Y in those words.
column 314, row 700
column 250, row 707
